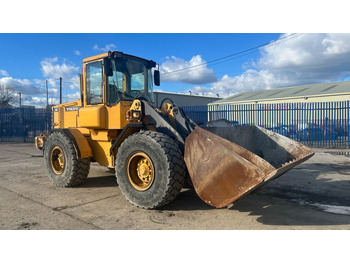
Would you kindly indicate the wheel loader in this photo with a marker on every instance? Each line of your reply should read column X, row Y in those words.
column 156, row 151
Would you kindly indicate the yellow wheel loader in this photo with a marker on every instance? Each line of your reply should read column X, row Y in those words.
column 154, row 151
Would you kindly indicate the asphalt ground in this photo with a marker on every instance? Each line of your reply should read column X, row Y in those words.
column 313, row 196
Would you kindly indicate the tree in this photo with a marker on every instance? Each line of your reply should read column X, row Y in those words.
column 6, row 96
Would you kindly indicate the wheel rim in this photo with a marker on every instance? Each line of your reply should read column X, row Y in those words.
column 57, row 160
column 140, row 171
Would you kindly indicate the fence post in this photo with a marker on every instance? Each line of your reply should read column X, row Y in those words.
column 23, row 125
column 347, row 123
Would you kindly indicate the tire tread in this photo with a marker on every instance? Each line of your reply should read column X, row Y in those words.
column 80, row 167
column 175, row 166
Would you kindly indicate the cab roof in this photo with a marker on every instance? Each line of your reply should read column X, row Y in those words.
column 115, row 54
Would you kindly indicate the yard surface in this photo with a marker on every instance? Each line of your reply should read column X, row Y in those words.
column 314, row 195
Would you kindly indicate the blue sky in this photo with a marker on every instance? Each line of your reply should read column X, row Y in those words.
column 27, row 60
column 29, row 50
column 22, row 56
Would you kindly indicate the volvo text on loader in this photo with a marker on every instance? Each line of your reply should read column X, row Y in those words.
column 154, row 151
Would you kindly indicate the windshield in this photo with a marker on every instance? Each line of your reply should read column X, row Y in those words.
column 131, row 79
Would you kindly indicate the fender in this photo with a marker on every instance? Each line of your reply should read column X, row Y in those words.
column 81, row 144
column 127, row 131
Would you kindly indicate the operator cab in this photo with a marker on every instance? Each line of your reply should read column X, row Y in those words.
column 126, row 78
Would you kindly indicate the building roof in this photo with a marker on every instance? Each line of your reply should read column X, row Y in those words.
column 187, row 95
column 183, row 99
column 290, row 92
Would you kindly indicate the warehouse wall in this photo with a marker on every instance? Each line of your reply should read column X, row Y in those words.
column 280, row 113
column 310, row 99
column 183, row 100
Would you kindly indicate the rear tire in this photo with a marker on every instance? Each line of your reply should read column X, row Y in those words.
column 62, row 164
column 150, row 169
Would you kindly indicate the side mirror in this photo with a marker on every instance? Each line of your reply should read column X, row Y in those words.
column 107, row 66
column 156, row 78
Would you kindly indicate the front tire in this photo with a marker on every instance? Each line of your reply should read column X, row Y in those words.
column 150, row 169
column 62, row 164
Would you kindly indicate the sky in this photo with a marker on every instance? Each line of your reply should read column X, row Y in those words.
column 209, row 64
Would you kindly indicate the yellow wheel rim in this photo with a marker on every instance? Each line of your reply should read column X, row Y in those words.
column 57, row 160
column 140, row 171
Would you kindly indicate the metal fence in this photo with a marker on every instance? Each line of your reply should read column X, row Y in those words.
column 314, row 124
column 198, row 114
column 323, row 124
column 23, row 124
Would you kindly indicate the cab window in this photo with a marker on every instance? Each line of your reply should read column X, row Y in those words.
column 115, row 88
column 94, row 83
column 130, row 79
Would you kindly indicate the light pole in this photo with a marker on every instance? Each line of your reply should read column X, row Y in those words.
column 20, row 99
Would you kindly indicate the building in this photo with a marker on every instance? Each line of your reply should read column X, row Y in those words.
column 323, row 106
column 326, row 92
column 183, row 99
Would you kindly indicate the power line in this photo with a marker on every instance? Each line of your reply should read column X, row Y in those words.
column 254, row 49
column 257, row 50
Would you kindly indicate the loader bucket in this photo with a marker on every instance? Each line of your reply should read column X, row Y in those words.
column 226, row 163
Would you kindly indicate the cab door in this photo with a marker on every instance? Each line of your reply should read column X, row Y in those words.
column 93, row 114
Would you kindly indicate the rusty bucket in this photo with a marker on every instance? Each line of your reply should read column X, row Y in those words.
column 226, row 163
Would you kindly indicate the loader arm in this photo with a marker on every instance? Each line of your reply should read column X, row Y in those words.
column 179, row 131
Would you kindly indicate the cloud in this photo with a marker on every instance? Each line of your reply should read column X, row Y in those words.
column 195, row 75
column 24, row 86
column 3, row 73
column 53, row 69
column 41, row 101
column 38, row 101
column 34, row 91
column 50, row 68
column 74, row 96
column 77, row 52
column 108, row 47
column 305, row 59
